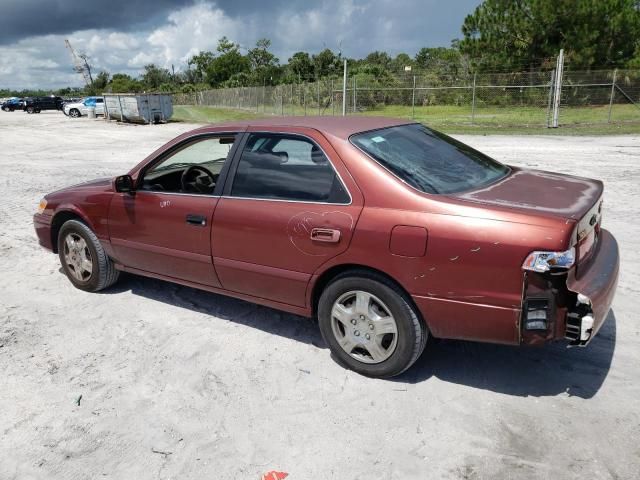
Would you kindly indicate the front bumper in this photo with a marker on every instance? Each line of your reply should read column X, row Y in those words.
column 597, row 282
column 42, row 224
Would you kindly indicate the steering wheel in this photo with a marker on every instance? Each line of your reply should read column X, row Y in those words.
column 203, row 182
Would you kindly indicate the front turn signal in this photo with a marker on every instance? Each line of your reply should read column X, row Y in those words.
column 42, row 205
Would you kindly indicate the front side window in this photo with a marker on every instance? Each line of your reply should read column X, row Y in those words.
column 192, row 168
column 429, row 161
column 286, row 167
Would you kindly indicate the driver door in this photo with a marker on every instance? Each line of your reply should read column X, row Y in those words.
column 165, row 227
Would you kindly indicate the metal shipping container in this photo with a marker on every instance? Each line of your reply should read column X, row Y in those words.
column 138, row 107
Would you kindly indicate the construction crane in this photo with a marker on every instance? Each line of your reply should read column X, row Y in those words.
column 80, row 64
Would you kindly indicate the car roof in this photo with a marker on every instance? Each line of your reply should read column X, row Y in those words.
column 341, row 127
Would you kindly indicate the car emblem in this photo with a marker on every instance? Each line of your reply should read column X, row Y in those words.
column 593, row 220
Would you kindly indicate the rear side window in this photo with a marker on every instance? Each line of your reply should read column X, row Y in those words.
column 286, row 167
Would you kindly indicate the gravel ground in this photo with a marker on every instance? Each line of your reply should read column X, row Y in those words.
column 154, row 380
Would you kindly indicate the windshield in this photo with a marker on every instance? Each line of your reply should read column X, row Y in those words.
column 428, row 160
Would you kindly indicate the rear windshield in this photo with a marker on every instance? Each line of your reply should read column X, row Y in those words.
column 428, row 160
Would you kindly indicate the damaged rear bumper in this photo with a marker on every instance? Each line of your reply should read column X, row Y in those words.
column 572, row 305
column 595, row 285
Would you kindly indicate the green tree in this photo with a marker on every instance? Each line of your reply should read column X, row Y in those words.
column 154, row 76
column 260, row 56
column 198, row 66
column 264, row 64
column 519, row 34
column 300, row 66
column 439, row 60
column 227, row 63
column 326, row 63
column 101, row 80
column 402, row 60
column 123, row 83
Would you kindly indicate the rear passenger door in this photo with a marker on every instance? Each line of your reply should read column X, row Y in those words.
column 289, row 206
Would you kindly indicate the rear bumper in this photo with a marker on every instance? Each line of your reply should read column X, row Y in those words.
column 42, row 224
column 598, row 282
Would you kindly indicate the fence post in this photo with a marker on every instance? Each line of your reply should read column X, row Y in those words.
column 558, row 89
column 333, row 103
column 613, row 92
column 413, row 99
column 551, row 89
column 355, row 88
column 304, row 99
column 473, row 99
column 344, row 90
column 318, row 84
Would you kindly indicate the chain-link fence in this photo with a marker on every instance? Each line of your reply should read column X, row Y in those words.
column 500, row 99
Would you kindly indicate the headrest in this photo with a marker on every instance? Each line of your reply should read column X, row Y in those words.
column 317, row 156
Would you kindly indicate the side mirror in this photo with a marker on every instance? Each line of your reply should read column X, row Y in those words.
column 124, row 184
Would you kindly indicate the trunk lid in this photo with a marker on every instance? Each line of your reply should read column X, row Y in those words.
column 576, row 199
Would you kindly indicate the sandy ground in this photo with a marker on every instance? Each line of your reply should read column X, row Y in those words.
column 178, row 383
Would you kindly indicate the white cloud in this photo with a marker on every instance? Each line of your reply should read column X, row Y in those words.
column 354, row 26
column 188, row 31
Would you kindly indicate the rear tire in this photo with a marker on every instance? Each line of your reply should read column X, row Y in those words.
column 370, row 324
column 83, row 259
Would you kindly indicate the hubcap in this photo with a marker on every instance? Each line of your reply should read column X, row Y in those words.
column 364, row 327
column 77, row 257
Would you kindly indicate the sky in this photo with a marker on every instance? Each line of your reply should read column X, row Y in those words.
column 121, row 36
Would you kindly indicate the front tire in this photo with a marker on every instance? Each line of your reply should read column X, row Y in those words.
column 30, row 110
column 74, row 113
column 83, row 259
column 370, row 324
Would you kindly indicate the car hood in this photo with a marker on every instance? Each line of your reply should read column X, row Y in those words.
column 99, row 185
column 540, row 193
column 74, row 105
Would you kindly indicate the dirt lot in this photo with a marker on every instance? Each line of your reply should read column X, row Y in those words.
column 178, row 383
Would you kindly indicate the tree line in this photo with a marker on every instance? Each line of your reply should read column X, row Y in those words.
column 500, row 35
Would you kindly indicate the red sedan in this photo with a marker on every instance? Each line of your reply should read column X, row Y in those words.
column 384, row 230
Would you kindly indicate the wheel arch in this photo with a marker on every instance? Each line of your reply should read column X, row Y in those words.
column 59, row 219
column 326, row 277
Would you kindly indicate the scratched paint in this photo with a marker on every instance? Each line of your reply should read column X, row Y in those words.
column 567, row 201
column 300, row 225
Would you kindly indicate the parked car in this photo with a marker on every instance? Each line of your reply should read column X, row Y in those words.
column 384, row 230
column 81, row 108
column 12, row 104
column 37, row 104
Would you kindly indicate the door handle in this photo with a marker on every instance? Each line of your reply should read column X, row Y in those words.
column 325, row 235
column 199, row 220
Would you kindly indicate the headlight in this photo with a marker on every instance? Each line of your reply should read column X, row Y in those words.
column 42, row 205
column 545, row 261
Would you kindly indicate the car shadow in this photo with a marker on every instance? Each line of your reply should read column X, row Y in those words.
column 519, row 371
column 226, row 308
